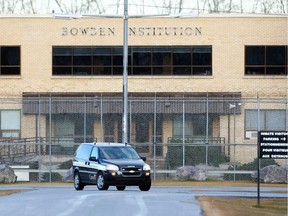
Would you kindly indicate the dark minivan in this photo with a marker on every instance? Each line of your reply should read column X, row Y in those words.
column 110, row 164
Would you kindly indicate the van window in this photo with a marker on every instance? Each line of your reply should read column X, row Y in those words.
column 118, row 153
column 95, row 152
column 84, row 151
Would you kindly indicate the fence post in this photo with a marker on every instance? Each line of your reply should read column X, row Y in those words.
column 101, row 120
column 207, row 133
column 229, row 142
column 234, row 141
column 50, row 138
column 130, row 121
column 38, row 136
column 154, row 136
column 183, row 132
column 286, row 114
column 84, row 119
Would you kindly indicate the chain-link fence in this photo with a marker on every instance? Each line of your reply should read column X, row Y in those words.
column 217, row 133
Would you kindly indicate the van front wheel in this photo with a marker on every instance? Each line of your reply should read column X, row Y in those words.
column 77, row 181
column 101, row 182
column 145, row 187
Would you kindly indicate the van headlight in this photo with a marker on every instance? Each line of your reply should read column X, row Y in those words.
column 112, row 167
column 146, row 167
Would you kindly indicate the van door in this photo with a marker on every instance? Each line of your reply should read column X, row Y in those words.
column 82, row 161
column 94, row 165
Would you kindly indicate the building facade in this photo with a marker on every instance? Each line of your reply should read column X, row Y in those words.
column 188, row 79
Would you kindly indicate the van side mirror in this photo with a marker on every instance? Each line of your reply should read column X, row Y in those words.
column 93, row 159
column 143, row 158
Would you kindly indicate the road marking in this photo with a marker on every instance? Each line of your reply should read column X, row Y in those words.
column 75, row 205
column 143, row 208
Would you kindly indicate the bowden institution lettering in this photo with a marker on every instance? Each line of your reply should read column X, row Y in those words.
column 161, row 31
column 133, row 31
column 88, row 31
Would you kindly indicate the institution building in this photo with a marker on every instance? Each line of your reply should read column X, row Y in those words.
column 205, row 80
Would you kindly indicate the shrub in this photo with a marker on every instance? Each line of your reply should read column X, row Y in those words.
column 249, row 166
column 54, row 177
column 66, row 165
column 194, row 155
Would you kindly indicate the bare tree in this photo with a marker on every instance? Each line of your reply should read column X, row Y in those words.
column 180, row 5
column 144, row 6
column 270, row 6
column 167, row 6
column 283, row 6
column 28, row 6
column 8, row 7
column 99, row 6
column 59, row 5
column 117, row 6
column 241, row 6
column 156, row 6
column 221, row 6
column 267, row 6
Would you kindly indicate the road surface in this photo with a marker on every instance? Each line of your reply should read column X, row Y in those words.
column 160, row 200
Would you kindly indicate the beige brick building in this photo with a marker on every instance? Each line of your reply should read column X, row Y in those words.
column 225, row 60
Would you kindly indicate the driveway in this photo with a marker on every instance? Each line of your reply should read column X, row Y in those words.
column 160, row 200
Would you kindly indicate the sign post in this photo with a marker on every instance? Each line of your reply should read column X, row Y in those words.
column 271, row 145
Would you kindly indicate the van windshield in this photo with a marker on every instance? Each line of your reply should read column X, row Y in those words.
column 118, row 153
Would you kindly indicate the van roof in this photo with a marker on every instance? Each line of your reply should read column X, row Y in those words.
column 106, row 144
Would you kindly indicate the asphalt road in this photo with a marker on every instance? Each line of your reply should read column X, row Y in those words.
column 168, row 201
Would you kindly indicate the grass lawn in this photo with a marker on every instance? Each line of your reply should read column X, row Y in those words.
column 219, row 206
column 8, row 192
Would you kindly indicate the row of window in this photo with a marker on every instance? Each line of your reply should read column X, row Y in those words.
column 194, row 124
column 141, row 60
column 194, row 60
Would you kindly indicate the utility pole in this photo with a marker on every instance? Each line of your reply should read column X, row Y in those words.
column 125, row 75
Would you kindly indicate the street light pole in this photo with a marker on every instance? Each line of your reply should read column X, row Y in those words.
column 233, row 106
column 125, row 75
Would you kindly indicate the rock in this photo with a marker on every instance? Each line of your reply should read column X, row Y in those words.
column 7, row 174
column 272, row 174
column 191, row 173
column 69, row 175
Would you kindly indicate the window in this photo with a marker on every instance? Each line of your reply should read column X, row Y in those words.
column 142, row 128
column 81, row 61
column 102, row 61
column 266, row 60
column 162, row 60
column 95, row 153
column 181, row 61
column 269, row 120
column 10, row 60
column 69, row 128
column 84, row 151
column 141, row 61
column 202, row 61
column 178, row 126
column 195, row 125
column 62, row 61
column 10, row 123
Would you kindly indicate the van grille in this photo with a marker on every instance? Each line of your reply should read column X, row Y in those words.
column 131, row 171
